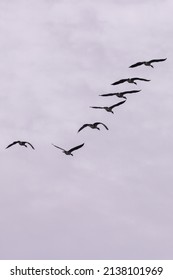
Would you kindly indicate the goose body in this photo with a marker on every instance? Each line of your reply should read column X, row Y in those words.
column 69, row 152
column 21, row 143
column 130, row 80
column 93, row 126
column 147, row 63
column 110, row 108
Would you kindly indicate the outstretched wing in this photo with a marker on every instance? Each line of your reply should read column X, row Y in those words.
column 141, row 79
column 117, row 104
column 58, row 147
column 76, row 148
column 97, row 123
column 136, row 64
column 30, row 145
column 108, row 94
column 12, row 144
column 119, row 82
column 95, row 107
column 157, row 60
column 130, row 91
column 82, row 127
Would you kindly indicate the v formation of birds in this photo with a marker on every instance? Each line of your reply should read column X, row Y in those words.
column 108, row 109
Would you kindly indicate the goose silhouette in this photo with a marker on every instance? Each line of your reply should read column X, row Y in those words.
column 69, row 152
column 129, row 80
column 109, row 109
column 120, row 94
column 147, row 63
column 93, row 126
column 21, row 143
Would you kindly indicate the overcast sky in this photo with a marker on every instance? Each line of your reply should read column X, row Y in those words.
column 113, row 198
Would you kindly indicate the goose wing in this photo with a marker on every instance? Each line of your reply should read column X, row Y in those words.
column 130, row 91
column 136, row 64
column 97, row 123
column 15, row 142
column 117, row 104
column 76, row 148
column 141, row 79
column 30, row 145
column 108, row 94
column 95, row 107
column 82, row 127
column 119, row 82
column 58, row 147
column 157, row 60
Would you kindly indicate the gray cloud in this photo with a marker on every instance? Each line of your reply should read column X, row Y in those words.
column 113, row 198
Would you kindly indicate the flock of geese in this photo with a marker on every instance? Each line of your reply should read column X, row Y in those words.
column 108, row 109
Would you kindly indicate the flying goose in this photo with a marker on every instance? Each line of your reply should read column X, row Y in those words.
column 109, row 109
column 130, row 80
column 21, row 143
column 120, row 94
column 147, row 63
column 69, row 152
column 93, row 125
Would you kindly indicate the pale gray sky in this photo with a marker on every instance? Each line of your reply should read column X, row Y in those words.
column 113, row 199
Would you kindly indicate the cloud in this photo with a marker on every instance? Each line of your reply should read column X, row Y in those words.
column 56, row 58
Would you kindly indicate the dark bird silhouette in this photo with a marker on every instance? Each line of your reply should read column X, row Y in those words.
column 147, row 63
column 69, row 152
column 120, row 94
column 93, row 125
column 130, row 80
column 21, row 143
column 109, row 109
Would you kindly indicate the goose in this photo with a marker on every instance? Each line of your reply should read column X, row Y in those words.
column 120, row 94
column 147, row 63
column 130, row 80
column 69, row 152
column 21, row 143
column 109, row 109
column 93, row 125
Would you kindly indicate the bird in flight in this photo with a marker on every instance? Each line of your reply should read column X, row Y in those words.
column 120, row 94
column 147, row 63
column 69, row 152
column 130, row 80
column 93, row 125
column 21, row 143
column 109, row 109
